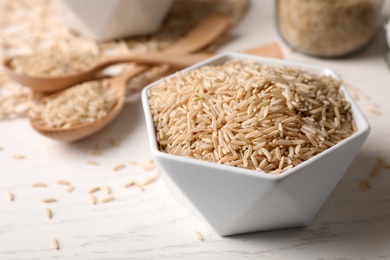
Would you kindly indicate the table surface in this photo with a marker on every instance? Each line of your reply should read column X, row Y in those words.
column 352, row 224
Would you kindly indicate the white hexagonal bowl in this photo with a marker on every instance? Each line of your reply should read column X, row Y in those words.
column 110, row 19
column 234, row 200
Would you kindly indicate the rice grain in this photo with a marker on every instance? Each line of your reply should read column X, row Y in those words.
column 198, row 235
column 91, row 162
column 69, row 189
column 118, row 167
column 129, row 184
column 94, row 189
column 10, row 196
column 92, row 198
column 49, row 213
column 79, row 105
column 106, row 189
column 63, row 182
column 55, row 244
column 107, row 199
column 39, row 185
column 49, row 200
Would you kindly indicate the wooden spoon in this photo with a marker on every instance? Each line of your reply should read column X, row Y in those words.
column 78, row 132
column 81, row 131
column 202, row 35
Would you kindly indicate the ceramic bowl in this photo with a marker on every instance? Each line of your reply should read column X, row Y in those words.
column 387, row 30
column 235, row 200
column 106, row 20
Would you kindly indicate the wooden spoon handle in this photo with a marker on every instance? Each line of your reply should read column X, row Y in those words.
column 174, row 60
column 205, row 33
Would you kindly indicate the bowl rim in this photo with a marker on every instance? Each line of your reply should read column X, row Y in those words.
column 360, row 119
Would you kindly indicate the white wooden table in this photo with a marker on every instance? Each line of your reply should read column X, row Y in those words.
column 353, row 224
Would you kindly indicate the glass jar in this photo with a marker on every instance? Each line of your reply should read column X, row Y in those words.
column 328, row 28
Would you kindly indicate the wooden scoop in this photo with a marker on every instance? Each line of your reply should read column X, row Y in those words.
column 210, row 29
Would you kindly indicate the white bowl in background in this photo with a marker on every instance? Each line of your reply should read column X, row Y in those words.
column 387, row 30
column 234, row 200
column 106, row 20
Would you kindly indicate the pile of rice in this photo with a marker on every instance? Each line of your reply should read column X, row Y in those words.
column 265, row 118
column 82, row 104
column 55, row 62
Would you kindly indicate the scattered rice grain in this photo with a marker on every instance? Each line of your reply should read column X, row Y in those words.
column 129, row 184
column 146, row 167
column 18, row 157
column 63, row 182
column 80, row 105
column 94, row 189
column 118, row 167
column 374, row 110
column 139, row 186
column 365, row 184
column 92, row 198
column 91, row 162
column 198, row 235
column 39, row 185
column 106, row 189
column 10, row 196
column 107, row 199
column 55, row 244
column 49, row 213
column 114, row 143
column 49, row 200
column 230, row 119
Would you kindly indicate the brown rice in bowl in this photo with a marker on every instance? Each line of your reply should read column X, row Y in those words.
column 268, row 118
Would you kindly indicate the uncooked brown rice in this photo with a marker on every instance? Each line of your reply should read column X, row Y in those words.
column 55, row 62
column 91, row 162
column 108, row 199
column 39, row 185
column 267, row 118
column 118, row 167
column 198, row 235
column 55, row 244
column 114, row 142
column 35, row 27
column 365, row 184
column 378, row 167
column 92, row 198
column 70, row 188
column 94, row 189
column 106, row 189
column 151, row 179
column 98, row 150
column 328, row 28
column 82, row 104
column 374, row 109
column 63, row 182
column 49, row 200
column 146, row 167
column 49, row 213
column 10, row 196
column 129, row 184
